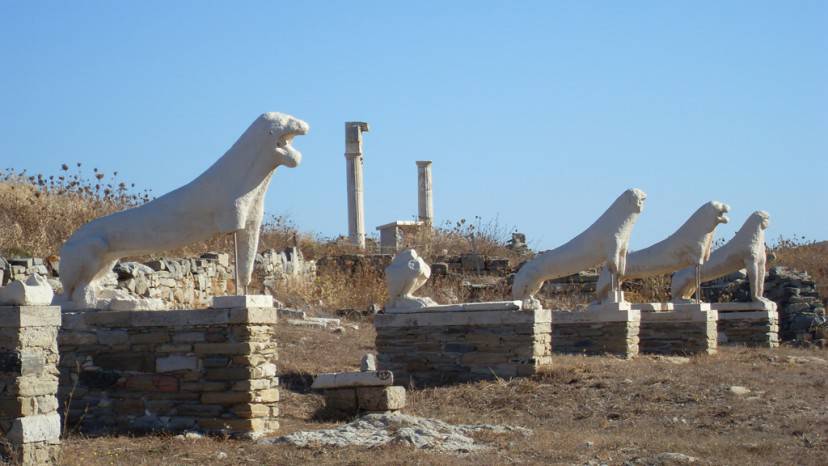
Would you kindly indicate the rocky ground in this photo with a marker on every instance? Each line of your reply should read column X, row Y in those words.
column 742, row 406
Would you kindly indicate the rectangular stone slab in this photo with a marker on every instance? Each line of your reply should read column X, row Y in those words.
column 173, row 318
column 455, row 318
column 462, row 307
column 598, row 315
column 29, row 316
column 381, row 398
column 653, row 307
column 741, row 307
column 353, row 379
column 40, row 428
column 250, row 300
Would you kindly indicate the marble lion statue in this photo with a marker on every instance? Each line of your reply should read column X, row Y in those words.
column 406, row 273
column 604, row 242
column 227, row 198
column 689, row 246
column 746, row 250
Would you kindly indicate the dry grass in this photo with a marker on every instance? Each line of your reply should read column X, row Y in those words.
column 804, row 255
column 626, row 409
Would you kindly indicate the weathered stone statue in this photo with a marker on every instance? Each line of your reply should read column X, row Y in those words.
column 745, row 250
column 405, row 275
column 604, row 242
column 35, row 291
column 689, row 246
column 227, row 198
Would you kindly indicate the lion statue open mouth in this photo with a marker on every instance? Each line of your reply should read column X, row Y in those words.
column 227, row 198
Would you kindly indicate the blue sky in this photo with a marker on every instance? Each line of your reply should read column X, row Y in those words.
column 536, row 113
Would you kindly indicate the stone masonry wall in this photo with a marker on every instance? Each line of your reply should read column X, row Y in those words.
column 29, row 419
column 187, row 283
column 762, row 331
column 434, row 348
column 677, row 337
column 620, row 338
column 205, row 370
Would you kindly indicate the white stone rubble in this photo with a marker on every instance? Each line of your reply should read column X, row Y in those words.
column 374, row 430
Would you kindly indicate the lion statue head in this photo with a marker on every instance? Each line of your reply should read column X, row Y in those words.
column 279, row 130
column 635, row 199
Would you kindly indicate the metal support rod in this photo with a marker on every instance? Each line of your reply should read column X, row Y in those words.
column 239, row 287
column 698, row 284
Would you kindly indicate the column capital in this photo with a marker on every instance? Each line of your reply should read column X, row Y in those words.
column 423, row 163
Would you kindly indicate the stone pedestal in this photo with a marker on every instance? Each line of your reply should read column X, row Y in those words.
column 29, row 419
column 396, row 236
column 211, row 370
column 652, row 307
column 242, row 301
column 750, row 324
column 464, row 342
column 686, row 329
column 601, row 329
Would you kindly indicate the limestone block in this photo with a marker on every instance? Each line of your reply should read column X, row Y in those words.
column 176, row 363
column 243, row 301
column 30, row 429
column 29, row 316
column 342, row 399
column 368, row 363
column 462, row 307
column 270, row 395
column 743, row 307
column 251, row 410
column 353, row 379
column 227, row 398
column 381, row 398
column 653, row 307
column 451, row 318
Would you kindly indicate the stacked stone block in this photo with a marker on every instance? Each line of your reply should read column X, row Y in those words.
column 749, row 324
column 352, row 392
column 29, row 419
column 687, row 329
column 597, row 331
column 208, row 370
column 450, row 344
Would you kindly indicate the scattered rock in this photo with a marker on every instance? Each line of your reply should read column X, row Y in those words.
column 674, row 359
column 373, row 430
column 368, row 363
column 662, row 459
column 739, row 390
column 806, row 360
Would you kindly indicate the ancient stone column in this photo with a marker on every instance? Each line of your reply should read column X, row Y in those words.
column 353, row 158
column 425, row 203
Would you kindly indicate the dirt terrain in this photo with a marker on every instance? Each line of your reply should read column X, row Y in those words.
column 584, row 410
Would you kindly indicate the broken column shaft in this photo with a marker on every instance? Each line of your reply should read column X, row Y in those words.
column 353, row 158
column 425, row 202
